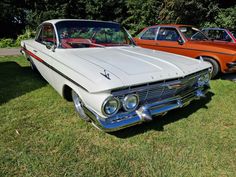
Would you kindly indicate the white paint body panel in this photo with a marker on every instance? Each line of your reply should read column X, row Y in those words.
column 127, row 66
column 82, row 69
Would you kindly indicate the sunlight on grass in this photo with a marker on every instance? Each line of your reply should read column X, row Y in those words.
column 41, row 135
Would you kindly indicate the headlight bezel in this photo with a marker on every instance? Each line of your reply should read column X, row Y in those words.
column 110, row 98
column 124, row 102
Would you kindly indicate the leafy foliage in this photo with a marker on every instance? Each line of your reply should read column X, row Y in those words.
column 141, row 14
column 7, row 42
column 26, row 35
column 224, row 18
column 11, row 18
column 188, row 12
column 133, row 14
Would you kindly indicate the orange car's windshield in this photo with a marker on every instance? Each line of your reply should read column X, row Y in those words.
column 192, row 33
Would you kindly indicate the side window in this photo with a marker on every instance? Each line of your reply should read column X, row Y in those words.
column 168, row 34
column 215, row 34
column 46, row 35
column 150, row 34
column 219, row 35
column 39, row 34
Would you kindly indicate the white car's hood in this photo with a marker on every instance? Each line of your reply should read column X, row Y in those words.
column 125, row 66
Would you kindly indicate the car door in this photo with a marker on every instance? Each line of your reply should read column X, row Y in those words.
column 169, row 40
column 148, row 38
column 43, row 50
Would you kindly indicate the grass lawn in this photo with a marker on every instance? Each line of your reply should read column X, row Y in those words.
column 41, row 135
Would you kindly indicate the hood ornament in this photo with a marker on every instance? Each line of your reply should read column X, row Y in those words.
column 106, row 75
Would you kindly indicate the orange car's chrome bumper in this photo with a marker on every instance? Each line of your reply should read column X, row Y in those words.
column 231, row 66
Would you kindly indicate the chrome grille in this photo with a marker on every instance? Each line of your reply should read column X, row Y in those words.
column 161, row 90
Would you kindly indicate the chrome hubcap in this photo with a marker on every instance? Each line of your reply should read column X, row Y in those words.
column 79, row 106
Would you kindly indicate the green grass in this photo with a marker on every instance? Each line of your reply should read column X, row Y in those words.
column 41, row 135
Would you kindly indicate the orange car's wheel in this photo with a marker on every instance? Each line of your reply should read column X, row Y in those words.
column 215, row 66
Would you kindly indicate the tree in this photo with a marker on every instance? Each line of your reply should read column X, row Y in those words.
column 11, row 18
column 142, row 13
column 188, row 12
column 226, row 18
column 133, row 14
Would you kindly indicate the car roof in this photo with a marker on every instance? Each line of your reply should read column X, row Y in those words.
column 216, row 28
column 54, row 21
column 171, row 25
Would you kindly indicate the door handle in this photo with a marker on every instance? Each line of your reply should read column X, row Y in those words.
column 35, row 51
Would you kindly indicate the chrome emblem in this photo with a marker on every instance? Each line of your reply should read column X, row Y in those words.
column 175, row 86
column 106, row 75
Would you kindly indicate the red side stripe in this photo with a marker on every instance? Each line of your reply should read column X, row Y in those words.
column 32, row 55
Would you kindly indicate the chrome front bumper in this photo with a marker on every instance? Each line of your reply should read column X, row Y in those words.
column 145, row 112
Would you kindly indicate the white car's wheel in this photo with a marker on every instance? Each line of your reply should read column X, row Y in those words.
column 78, row 103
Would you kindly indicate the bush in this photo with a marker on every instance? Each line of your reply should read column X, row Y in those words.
column 27, row 35
column 225, row 19
column 7, row 43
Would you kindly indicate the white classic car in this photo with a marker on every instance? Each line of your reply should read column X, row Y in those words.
column 113, row 83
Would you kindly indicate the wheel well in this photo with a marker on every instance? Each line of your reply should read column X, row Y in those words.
column 67, row 93
column 211, row 58
column 208, row 57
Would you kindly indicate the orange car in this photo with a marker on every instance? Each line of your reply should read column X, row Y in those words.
column 189, row 41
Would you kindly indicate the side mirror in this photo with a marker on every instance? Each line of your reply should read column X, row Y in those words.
column 50, row 46
column 180, row 41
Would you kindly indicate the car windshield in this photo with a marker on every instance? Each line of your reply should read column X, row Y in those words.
column 81, row 34
column 192, row 33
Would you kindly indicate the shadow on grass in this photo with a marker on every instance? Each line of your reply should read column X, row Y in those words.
column 159, row 122
column 16, row 80
column 228, row 76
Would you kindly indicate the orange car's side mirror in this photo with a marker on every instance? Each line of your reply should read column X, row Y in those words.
column 180, row 41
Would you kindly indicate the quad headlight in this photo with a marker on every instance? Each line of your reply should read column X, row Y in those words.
column 130, row 102
column 110, row 106
column 204, row 79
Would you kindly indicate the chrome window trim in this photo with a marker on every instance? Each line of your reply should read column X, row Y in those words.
column 41, row 26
